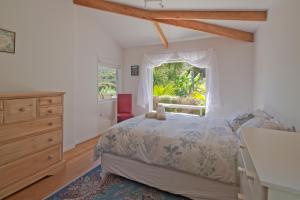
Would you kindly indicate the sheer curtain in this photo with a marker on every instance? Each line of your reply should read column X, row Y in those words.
column 202, row 59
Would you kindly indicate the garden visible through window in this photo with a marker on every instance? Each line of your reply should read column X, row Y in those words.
column 180, row 87
column 107, row 83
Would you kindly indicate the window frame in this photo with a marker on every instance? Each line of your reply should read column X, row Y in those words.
column 151, row 82
column 118, row 73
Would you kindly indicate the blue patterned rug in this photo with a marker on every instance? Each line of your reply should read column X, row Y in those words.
column 90, row 187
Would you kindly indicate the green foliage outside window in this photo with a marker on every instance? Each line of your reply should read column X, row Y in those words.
column 107, row 83
column 179, row 83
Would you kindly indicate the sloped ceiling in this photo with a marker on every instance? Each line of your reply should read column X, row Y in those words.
column 131, row 32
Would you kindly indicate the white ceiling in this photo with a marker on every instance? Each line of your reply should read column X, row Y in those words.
column 131, row 32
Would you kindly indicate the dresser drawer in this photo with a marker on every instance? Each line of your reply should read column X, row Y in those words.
column 45, row 101
column 1, row 112
column 27, row 166
column 1, row 117
column 50, row 111
column 1, row 105
column 245, row 189
column 13, row 131
column 247, row 162
column 18, row 110
column 18, row 149
column 249, row 177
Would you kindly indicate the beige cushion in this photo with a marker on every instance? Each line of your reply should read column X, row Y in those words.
column 151, row 115
column 273, row 124
column 161, row 113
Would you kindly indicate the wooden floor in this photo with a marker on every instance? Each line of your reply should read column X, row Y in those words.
column 78, row 161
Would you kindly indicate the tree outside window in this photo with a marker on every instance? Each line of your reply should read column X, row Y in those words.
column 179, row 83
column 107, row 83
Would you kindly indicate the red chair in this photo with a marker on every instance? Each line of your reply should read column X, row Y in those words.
column 124, row 109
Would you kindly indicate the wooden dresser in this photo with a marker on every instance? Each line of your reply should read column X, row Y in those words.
column 269, row 165
column 31, row 138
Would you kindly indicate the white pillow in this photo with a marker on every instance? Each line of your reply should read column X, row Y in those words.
column 236, row 120
column 256, row 122
column 262, row 114
column 259, row 122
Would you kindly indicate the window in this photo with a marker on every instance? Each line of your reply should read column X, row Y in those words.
column 107, row 83
column 180, row 87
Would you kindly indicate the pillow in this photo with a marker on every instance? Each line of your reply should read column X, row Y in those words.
column 262, row 114
column 151, row 115
column 161, row 113
column 255, row 122
column 259, row 122
column 238, row 119
column 273, row 124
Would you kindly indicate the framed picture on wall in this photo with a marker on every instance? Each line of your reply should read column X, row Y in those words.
column 7, row 41
column 134, row 70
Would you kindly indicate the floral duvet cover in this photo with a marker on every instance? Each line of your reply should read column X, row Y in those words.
column 200, row 146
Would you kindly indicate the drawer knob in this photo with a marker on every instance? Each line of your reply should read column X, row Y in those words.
column 50, row 140
column 50, row 157
column 241, row 170
column 50, row 124
column 50, row 111
column 50, row 101
column 240, row 196
column 250, row 176
column 21, row 109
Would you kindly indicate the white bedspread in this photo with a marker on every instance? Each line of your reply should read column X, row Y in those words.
column 201, row 146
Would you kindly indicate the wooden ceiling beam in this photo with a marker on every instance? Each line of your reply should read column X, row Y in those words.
column 213, row 15
column 116, row 8
column 147, row 15
column 161, row 34
column 211, row 28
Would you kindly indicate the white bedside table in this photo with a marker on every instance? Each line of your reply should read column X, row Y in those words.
column 269, row 165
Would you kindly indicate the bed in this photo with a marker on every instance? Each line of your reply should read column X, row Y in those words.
column 185, row 154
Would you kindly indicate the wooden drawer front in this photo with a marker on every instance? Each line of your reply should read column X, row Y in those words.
column 50, row 111
column 18, row 110
column 1, row 105
column 27, row 166
column 1, row 117
column 8, row 132
column 16, row 150
column 44, row 101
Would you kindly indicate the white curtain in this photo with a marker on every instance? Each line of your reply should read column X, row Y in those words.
column 202, row 59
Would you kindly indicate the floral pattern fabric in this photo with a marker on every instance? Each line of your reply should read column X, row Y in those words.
column 91, row 187
column 239, row 119
column 204, row 147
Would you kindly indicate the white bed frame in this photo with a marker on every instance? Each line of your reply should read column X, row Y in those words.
column 172, row 181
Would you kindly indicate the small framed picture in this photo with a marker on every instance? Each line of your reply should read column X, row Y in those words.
column 134, row 70
column 7, row 41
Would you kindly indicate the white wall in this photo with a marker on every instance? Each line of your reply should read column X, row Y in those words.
column 44, row 50
column 277, row 67
column 92, row 45
column 236, row 70
column 57, row 45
